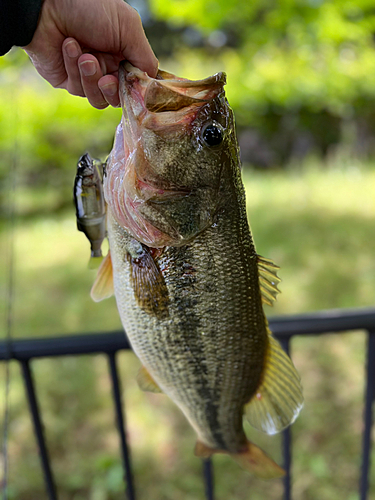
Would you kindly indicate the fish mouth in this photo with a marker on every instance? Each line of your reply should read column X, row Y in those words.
column 144, row 97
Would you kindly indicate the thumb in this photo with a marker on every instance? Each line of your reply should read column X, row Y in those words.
column 135, row 47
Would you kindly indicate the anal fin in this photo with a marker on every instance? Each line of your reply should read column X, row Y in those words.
column 103, row 284
column 278, row 401
column 146, row 382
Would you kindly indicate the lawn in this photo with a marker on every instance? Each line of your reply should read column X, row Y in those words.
column 317, row 223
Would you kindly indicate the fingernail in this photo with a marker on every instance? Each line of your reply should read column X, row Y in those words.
column 88, row 68
column 109, row 89
column 72, row 49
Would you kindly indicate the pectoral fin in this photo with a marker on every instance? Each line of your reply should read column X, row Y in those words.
column 146, row 382
column 103, row 284
column 278, row 401
column 149, row 286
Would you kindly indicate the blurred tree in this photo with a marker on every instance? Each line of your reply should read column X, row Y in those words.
column 301, row 72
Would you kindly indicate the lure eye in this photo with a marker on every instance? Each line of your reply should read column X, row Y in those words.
column 212, row 134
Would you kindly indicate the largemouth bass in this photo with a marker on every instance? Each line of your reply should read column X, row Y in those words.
column 188, row 282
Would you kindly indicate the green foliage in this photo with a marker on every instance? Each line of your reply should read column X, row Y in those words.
column 296, row 59
column 319, row 55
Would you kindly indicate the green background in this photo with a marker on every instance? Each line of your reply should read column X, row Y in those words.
column 301, row 81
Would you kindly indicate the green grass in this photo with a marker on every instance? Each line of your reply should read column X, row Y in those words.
column 318, row 225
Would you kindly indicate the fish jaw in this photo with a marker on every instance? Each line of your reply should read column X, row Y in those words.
column 138, row 189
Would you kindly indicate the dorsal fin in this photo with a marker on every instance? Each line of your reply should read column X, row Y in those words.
column 103, row 284
column 268, row 280
column 278, row 400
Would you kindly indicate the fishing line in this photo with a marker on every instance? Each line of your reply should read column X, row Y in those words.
column 9, row 310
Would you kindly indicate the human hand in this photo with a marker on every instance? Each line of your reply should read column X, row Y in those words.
column 79, row 44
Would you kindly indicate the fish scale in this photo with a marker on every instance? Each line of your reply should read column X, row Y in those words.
column 207, row 344
column 188, row 282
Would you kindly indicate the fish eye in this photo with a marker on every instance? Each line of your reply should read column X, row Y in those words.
column 212, row 134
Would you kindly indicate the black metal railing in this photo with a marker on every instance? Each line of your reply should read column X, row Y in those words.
column 284, row 328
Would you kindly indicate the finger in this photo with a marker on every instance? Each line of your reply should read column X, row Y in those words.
column 109, row 87
column 91, row 73
column 71, row 53
column 109, row 63
column 135, row 46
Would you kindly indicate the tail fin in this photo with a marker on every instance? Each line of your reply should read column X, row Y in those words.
column 255, row 461
column 252, row 459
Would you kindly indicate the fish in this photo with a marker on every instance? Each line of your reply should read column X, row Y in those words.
column 183, row 267
column 90, row 205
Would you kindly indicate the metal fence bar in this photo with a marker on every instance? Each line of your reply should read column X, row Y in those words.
column 94, row 343
column 287, row 461
column 208, row 476
column 286, row 446
column 38, row 428
column 67, row 345
column 130, row 490
column 369, row 401
column 335, row 320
